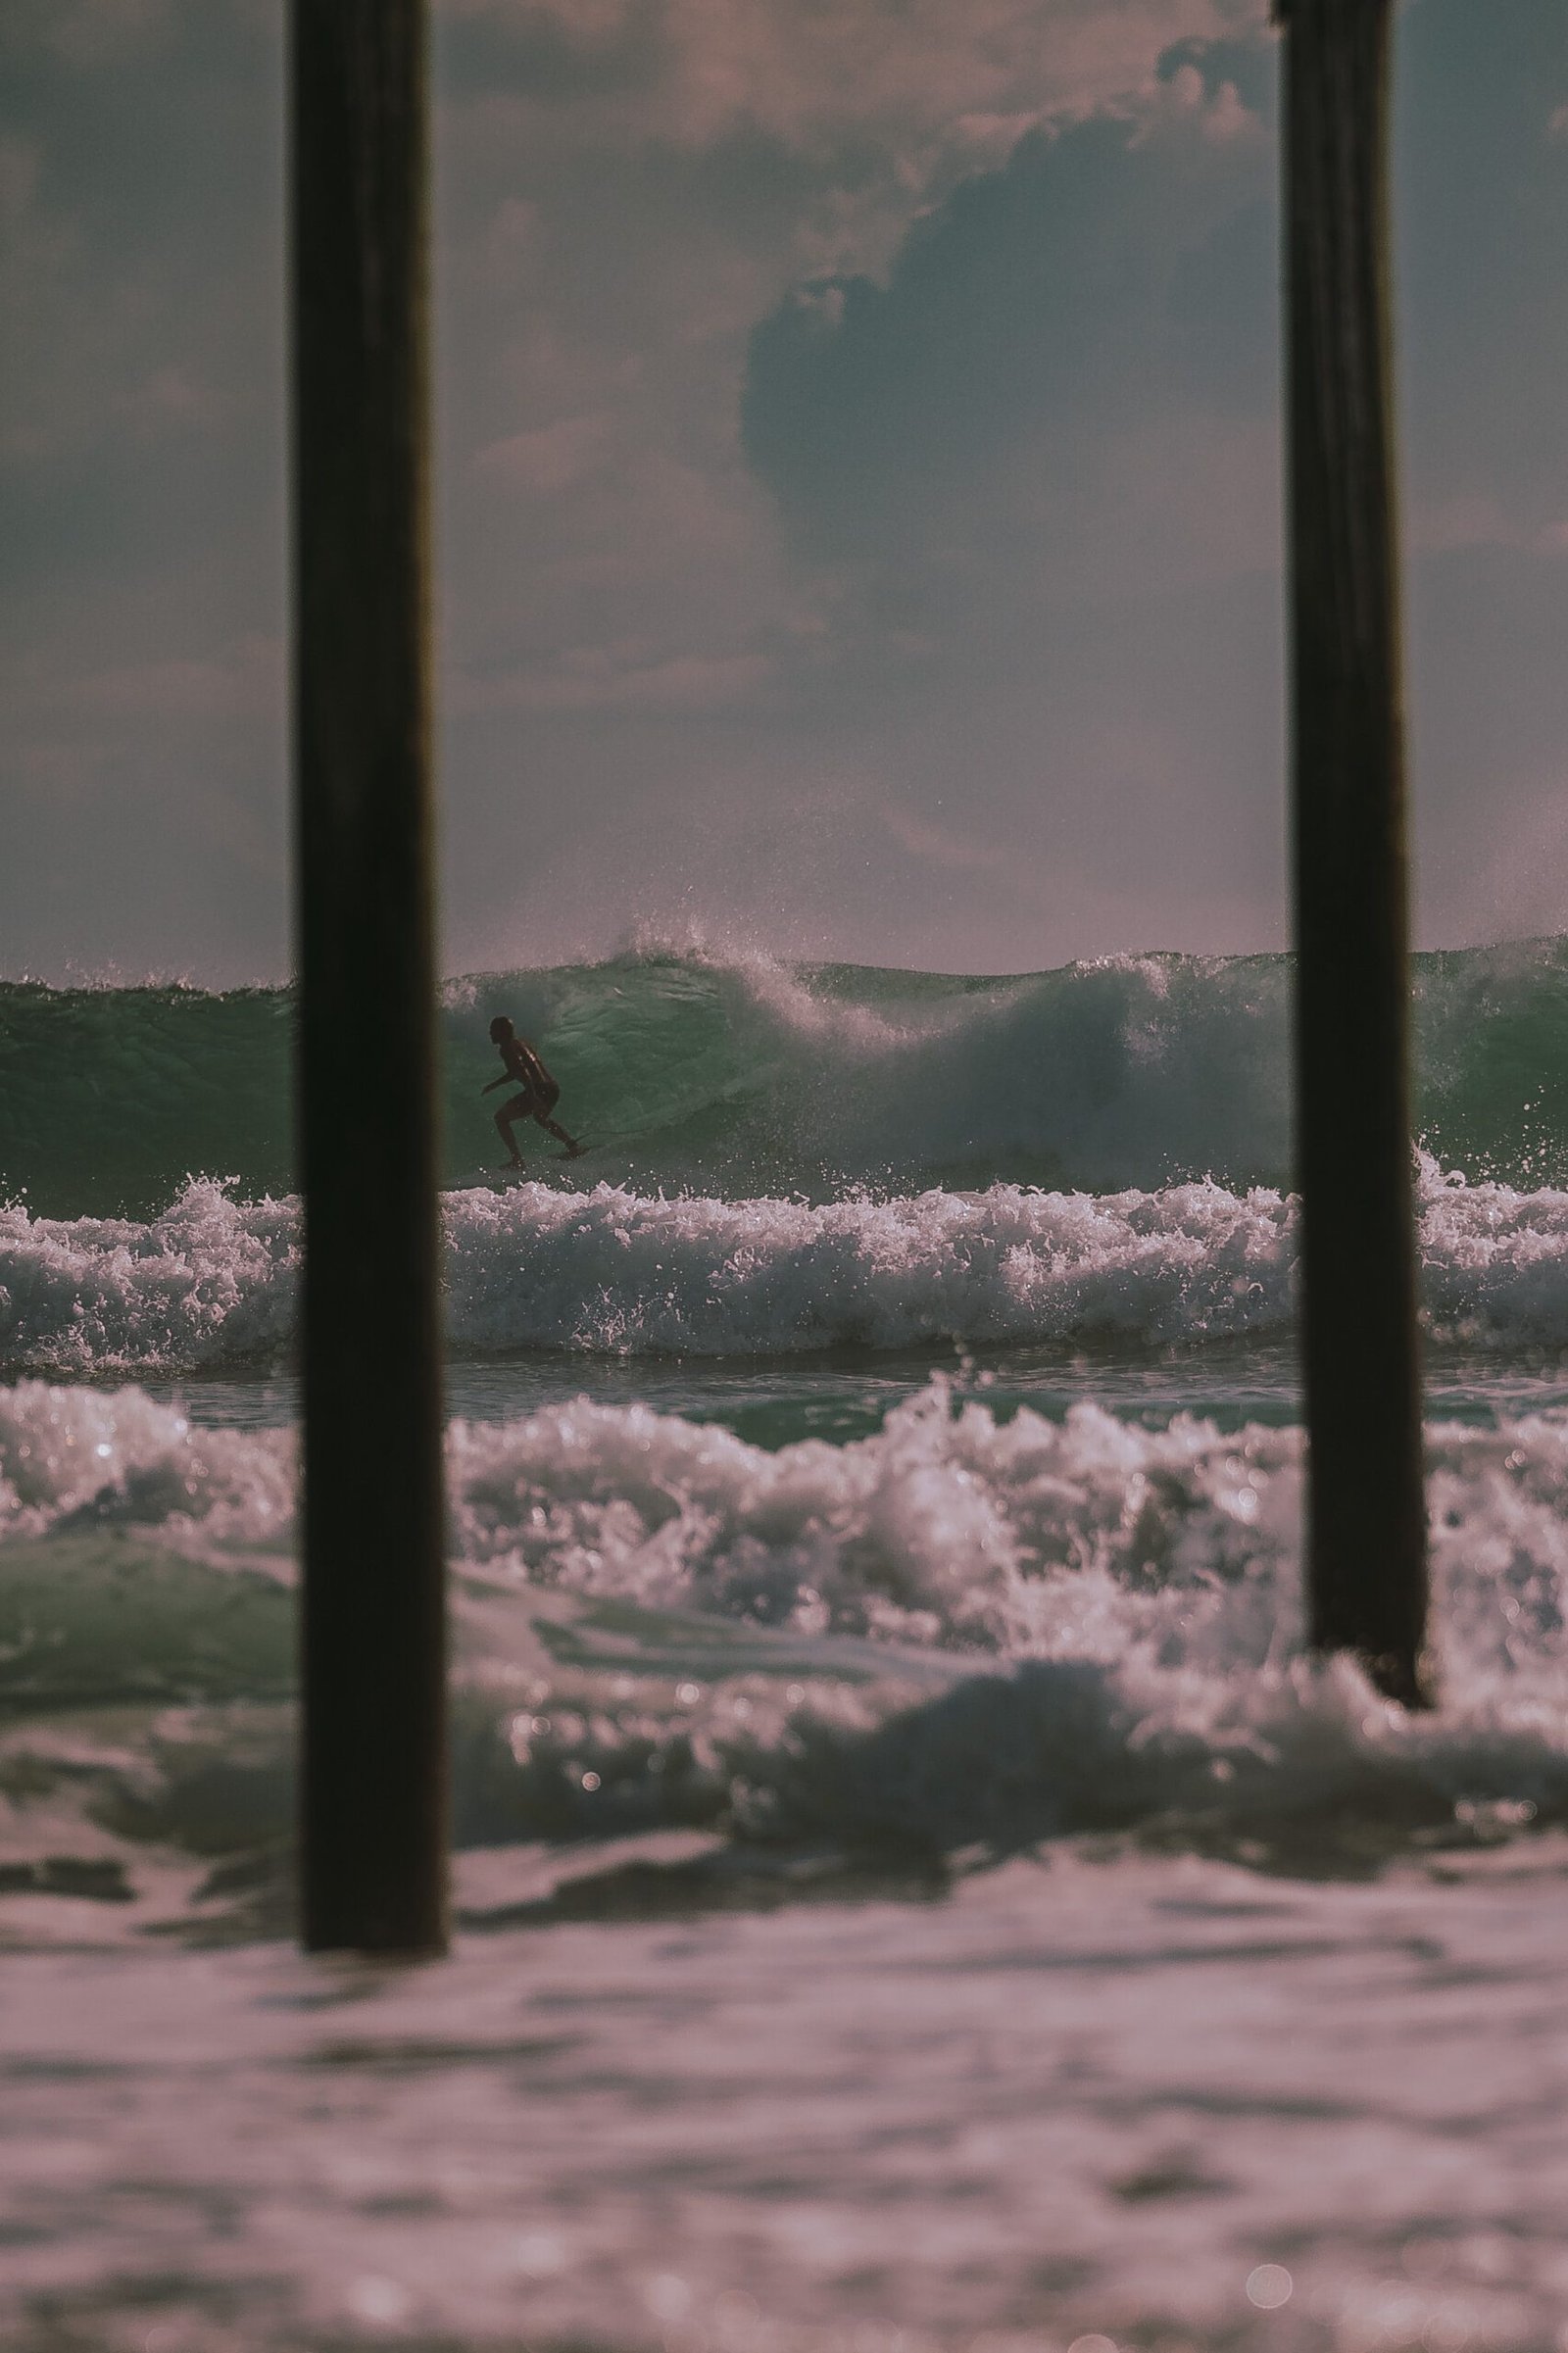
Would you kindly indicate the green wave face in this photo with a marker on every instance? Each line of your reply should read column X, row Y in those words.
column 110, row 1097
column 747, row 1078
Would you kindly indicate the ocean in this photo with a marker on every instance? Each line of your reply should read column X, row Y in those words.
column 914, row 1895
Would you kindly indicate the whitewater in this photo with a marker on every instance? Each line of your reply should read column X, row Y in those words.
column 212, row 1282
column 914, row 1892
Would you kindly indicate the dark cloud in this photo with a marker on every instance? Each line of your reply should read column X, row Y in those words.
column 1482, row 217
column 1047, row 297
column 1039, row 457
column 1247, row 66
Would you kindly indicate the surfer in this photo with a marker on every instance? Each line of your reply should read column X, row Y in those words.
column 539, row 1097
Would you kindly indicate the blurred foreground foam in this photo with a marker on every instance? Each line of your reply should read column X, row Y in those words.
column 955, row 1631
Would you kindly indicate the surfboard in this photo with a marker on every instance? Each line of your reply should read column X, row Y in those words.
column 497, row 1180
column 617, row 1135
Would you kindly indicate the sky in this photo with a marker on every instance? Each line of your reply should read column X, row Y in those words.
column 858, row 480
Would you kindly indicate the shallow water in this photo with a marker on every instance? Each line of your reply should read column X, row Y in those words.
column 1164, row 2103
column 851, row 1395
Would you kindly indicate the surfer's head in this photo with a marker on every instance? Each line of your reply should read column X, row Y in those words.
column 500, row 1028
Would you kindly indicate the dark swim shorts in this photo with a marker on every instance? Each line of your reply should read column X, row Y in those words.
column 534, row 1102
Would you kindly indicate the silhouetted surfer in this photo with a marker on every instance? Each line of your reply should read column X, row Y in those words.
column 539, row 1095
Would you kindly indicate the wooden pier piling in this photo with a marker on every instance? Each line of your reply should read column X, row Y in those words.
column 1366, row 1522
column 374, row 1802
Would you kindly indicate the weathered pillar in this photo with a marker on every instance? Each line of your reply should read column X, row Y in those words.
column 375, row 1797
column 1366, row 1526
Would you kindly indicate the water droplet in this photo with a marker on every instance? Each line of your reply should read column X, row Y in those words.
column 1269, row 2286
column 537, row 2253
column 379, row 2302
column 735, row 2313
column 667, row 2298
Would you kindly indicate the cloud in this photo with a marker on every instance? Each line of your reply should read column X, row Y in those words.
column 598, row 678
column 875, row 72
column 998, row 553
column 862, row 111
column 1442, row 526
column 90, row 33
column 549, row 460
column 1481, row 225
column 245, row 680
column 922, row 839
column 1048, row 324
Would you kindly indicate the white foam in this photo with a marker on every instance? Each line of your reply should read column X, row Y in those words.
column 1109, row 1617
column 949, row 1528
column 212, row 1281
column 614, row 1271
column 940, row 1529
column 113, row 1458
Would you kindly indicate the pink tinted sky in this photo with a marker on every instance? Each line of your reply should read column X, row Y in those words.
column 858, row 477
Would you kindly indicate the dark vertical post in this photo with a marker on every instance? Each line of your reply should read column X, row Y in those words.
column 374, row 1801
column 1366, row 1527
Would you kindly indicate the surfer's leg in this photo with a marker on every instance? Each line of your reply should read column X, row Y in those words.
column 519, row 1107
column 553, row 1127
column 545, row 1104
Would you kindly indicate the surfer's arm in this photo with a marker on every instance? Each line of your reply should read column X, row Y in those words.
column 496, row 1082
